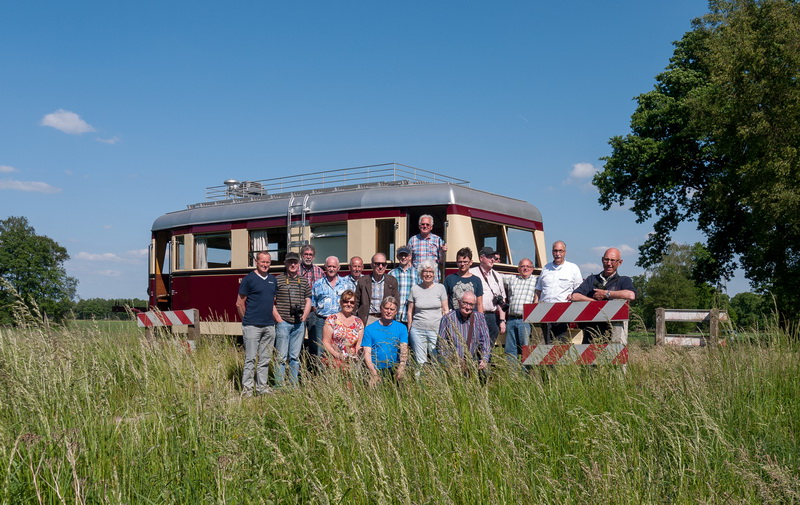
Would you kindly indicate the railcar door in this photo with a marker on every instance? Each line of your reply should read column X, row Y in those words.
column 160, row 287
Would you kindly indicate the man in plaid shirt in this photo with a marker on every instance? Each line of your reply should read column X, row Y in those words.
column 406, row 276
column 427, row 246
column 521, row 289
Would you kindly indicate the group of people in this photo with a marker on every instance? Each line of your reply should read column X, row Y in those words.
column 377, row 317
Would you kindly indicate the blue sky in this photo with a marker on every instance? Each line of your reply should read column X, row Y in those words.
column 113, row 114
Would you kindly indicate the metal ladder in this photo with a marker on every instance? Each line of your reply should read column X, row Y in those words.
column 295, row 230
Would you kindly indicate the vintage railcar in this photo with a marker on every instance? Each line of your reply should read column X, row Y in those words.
column 199, row 255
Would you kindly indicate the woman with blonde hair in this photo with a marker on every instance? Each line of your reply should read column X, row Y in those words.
column 342, row 333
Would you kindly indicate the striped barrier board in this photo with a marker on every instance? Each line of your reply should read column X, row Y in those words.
column 580, row 354
column 576, row 312
column 167, row 318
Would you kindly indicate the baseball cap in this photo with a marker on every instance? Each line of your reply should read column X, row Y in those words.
column 487, row 251
column 403, row 250
column 291, row 256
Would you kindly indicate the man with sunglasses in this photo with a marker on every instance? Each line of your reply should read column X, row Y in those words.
column 373, row 288
column 426, row 245
column 494, row 293
column 607, row 285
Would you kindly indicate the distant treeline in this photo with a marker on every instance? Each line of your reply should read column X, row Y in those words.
column 101, row 308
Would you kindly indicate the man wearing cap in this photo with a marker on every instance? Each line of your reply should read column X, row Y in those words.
column 426, row 245
column 494, row 293
column 292, row 305
column 372, row 289
column 407, row 277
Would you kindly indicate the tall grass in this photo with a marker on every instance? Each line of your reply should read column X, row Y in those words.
column 92, row 414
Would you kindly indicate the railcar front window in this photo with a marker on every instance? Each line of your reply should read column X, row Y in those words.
column 212, row 251
column 522, row 245
column 491, row 235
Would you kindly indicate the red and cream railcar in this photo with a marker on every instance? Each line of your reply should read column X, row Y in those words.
column 199, row 255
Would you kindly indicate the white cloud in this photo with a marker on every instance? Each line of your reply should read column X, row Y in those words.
column 580, row 173
column 112, row 140
column 7, row 169
column 67, row 122
column 133, row 256
column 590, row 268
column 37, row 187
column 624, row 249
column 109, row 273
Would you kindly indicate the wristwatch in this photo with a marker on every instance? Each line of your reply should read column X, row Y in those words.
column 608, row 294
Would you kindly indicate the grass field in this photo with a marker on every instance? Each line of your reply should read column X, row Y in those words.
column 94, row 413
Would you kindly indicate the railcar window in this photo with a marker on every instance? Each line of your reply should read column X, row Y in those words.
column 330, row 240
column 384, row 237
column 272, row 240
column 491, row 235
column 180, row 249
column 521, row 245
column 212, row 250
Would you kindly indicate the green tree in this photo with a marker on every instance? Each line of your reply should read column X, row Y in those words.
column 750, row 310
column 717, row 141
column 670, row 284
column 32, row 267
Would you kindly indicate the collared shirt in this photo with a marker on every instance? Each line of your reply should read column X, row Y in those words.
column 312, row 274
column 520, row 292
column 454, row 335
column 426, row 249
column 405, row 280
column 492, row 286
column 557, row 282
column 614, row 283
column 325, row 297
column 376, row 295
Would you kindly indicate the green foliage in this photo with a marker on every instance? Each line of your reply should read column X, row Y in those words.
column 32, row 267
column 669, row 284
column 716, row 141
column 750, row 310
column 102, row 308
column 108, row 416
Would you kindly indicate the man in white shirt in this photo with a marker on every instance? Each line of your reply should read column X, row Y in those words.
column 558, row 280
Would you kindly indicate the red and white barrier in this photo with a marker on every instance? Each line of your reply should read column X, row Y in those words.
column 580, row 354
column 167, row 318
column 615, row 312
column 577, row 312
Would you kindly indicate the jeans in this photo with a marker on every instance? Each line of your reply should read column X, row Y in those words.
column 288, row 344
column 314, row 324
column 259, row 341
column 422, row 343
column 518, row 333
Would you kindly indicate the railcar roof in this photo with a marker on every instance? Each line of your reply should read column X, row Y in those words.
column 348, row 199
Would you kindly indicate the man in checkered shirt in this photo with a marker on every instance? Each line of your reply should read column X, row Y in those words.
column 521, row 289
column 406, row 277
column 427, row 246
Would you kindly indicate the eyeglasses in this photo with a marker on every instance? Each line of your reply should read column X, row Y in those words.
column 610, row 260
column 425, row 224
column 467, row 304
column 309, row 254
column 427, row 272
column 526, row 266
column 378, row 263
column 348, row 302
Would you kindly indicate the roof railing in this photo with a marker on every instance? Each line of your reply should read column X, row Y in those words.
column 387, row 174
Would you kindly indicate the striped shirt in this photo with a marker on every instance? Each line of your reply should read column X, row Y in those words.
column 291, row 291
column 454, row 334
column 405, row 280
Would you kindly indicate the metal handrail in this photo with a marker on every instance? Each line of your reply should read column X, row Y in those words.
column 330, row 180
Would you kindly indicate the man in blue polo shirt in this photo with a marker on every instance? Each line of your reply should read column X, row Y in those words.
column 385, row 344
column 254, row 305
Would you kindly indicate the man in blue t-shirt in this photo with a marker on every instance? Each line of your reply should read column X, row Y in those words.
column 385, row 344
column 254, row 305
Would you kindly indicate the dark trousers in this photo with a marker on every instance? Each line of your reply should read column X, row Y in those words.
column 494, row 327
column 556, row 333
